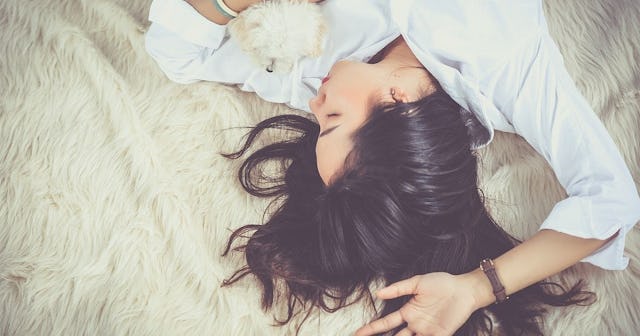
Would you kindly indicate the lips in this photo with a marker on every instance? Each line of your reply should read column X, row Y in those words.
column 324, row 80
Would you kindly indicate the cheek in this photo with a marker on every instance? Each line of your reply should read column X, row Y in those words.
column 347, row 70
column 356, row 87
column 350, row 93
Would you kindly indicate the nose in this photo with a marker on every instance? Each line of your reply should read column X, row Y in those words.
column 316, row 103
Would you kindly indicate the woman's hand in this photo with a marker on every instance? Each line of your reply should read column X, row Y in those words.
column 441, row 303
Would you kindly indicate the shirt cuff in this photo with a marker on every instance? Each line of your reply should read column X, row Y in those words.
column 572, row 216
column 611, row 256
column 184, row 20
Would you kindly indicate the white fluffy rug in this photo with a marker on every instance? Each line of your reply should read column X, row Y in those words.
column 115, row 205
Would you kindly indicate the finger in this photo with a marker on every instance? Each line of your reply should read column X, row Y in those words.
column 381, row 325
column 405, row 332
column 400, row 288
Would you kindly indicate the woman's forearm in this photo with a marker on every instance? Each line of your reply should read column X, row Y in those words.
column 545, row 254
column 207, row 9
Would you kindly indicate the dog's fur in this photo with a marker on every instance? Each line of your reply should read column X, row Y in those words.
column 278, row 33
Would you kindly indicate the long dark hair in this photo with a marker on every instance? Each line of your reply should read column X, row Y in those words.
column 406, row 203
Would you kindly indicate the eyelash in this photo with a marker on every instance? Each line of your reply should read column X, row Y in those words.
column 332, row 115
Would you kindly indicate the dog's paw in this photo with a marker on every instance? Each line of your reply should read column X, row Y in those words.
column 277, row 34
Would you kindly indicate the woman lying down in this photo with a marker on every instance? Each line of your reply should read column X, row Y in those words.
column 383, row 184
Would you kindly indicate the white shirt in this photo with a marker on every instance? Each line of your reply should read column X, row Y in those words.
column 494, row 57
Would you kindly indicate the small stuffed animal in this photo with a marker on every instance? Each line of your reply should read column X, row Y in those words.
column 278, row 33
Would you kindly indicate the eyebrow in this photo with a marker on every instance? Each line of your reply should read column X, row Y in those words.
column 328, row 131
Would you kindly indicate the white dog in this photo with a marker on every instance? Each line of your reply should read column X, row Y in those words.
column 277, row 33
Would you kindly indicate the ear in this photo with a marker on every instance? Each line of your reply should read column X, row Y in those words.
column 399, row 95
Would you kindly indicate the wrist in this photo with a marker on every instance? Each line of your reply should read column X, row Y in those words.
column 208, row 9
column 480, row 287
column 240, row 5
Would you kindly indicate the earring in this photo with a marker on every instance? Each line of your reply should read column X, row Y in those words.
column 393, row 95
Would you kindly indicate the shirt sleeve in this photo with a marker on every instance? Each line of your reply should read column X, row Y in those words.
column 189, row 48
column 551, row 114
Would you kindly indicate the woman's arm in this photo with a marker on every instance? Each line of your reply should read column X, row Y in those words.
column 442, row 302
column 209, row 11
column 190, row 47
column 189, row 41
column 515, row 77
column 546, row 253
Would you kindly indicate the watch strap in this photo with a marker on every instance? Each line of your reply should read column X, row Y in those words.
column 489, row 269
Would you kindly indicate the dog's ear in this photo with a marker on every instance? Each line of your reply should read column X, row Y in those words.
column 319, row 40
column 239, row 30
column 236, row 27
column 245, row 27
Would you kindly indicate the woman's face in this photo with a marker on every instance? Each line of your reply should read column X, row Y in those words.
column 345, row 99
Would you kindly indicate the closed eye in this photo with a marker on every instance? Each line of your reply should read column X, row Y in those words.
column 328, row 131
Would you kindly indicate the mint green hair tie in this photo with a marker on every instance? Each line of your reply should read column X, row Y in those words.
column 224, row 9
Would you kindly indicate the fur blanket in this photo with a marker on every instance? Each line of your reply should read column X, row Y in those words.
column 115, row 205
